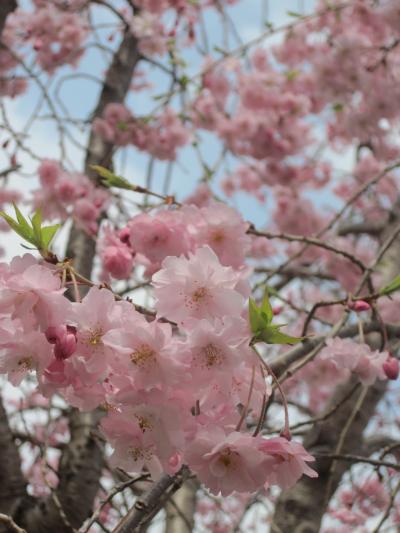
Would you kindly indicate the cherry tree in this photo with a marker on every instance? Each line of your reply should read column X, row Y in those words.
column 202, row 333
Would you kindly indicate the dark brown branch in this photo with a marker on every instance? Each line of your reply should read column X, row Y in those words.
column 8, row 523
column 6, row 7
column 12, row 483
column 144, row 510
column 367, row 227
column 360, row 459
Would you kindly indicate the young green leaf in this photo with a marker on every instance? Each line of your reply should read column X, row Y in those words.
column 266, row 307
column 393, row 286
column 48, row 233
column 32, row 230
column 36, row 225
column 110, row 179
column 254, row 317
column 272, row 335
column 20, row 225
column 261, row 324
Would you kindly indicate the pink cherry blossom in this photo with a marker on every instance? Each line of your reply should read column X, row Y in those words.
column 196, row 288
column 286, row 461
column 227, row 463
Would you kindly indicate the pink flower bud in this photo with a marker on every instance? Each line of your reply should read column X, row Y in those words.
column 55, row 333
column 359, row 305
column 391, row 367
column 118, row 261
column 277, row 309
column 37, row 45
column 124, row 235
column 65, row 347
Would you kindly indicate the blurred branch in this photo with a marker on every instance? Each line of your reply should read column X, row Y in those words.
column 145, row 509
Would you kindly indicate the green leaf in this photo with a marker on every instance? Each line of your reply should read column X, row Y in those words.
column 48, row 233
column 272, row 335
column 110, row 179
column 292, row 74
column 261, row 324
column 338, row 107
column 23, row 224
column 36, row 225
column 294, row 14
column 40, row 237
column 266, row 307
column 393, row 286
column 22, row 228
column 254, row 316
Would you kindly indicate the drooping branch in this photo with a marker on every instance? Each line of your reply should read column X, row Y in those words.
column 302, row 507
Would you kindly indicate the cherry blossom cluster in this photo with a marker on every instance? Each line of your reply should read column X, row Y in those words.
column 55, row 35
column 367, row 499
column 171, row 396
column 331, row 78
column 63, row 194
column 157, row 34
column 148, row 239
column 356, row 357
column 160, row 136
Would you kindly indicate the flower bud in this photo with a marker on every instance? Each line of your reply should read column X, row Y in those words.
column 391, row 367
column 124, row 235
column 55, row 333
column 359, row 305
column 65, row 347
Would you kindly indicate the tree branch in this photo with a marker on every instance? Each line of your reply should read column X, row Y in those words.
column 301, row 508
column 12, row 482
column 144, row 510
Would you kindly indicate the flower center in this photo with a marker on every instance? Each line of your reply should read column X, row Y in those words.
column 143, row 355
column 213, row 356
column 26, row 363
column 218, row 236
column 227, row 458
column 199, row 294
column 144, row 423
column 95, row 336
column 139, row 453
